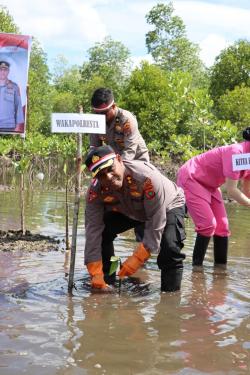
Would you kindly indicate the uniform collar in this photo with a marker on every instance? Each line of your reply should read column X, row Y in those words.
column 112, row 124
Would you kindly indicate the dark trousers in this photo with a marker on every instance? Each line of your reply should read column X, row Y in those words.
column 169, row 257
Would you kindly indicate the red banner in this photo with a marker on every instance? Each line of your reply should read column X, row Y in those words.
column 21, row 41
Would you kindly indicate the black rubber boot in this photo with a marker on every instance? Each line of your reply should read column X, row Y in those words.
column 109, row 279
column 107, row 253
column 139, row 232
column 171, row 280
column 200, row 249
column 220, row 250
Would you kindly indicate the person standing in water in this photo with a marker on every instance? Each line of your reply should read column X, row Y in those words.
column 201, row 178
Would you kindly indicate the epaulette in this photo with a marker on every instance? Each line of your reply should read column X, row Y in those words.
column 10, row 84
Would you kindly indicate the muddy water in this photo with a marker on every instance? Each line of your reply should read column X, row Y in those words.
column 204, row 329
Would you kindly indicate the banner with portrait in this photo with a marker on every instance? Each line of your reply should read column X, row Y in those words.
column 14, row 67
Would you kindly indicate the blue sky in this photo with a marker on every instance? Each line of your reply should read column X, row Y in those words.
column 70, row 27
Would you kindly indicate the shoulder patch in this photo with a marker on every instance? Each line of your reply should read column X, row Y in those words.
column 127, row 128
column 10, row 84
column 148, row 189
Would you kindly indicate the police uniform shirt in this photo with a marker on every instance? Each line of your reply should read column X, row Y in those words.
column 11, row 112
column 123, row 136
column 146, row 196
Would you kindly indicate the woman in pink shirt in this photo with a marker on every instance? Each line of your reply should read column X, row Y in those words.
column 201, row 178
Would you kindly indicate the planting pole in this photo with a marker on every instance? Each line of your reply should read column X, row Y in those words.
column 76, row 209
column 22, row 203
column 67, row 243
column 22, row 183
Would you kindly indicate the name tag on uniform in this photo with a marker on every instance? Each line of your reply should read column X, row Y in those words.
column 241, row 162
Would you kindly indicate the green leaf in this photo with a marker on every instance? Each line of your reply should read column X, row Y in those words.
column 83, row 167
column 114, row 264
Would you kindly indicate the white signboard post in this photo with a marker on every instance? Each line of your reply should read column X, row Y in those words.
column 78, row 123
column 241, row 162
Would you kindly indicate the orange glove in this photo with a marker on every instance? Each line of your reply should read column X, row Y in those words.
column 135, row 261
column 96, row 273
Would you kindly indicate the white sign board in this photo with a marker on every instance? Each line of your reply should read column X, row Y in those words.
column 78, row 123
column 241, row 162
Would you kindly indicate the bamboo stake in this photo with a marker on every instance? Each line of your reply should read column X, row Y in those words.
column 67, row 216
column 22, row 185
column 67, row 252
column 76, row 209
column 22, row 202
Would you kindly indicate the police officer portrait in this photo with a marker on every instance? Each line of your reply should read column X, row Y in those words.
column 11, row 111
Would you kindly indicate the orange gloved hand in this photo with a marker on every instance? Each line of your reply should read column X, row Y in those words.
column 135, row 261
column 96, row 273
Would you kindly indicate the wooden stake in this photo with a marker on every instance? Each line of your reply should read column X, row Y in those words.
column 22, row 203
column 76, row 209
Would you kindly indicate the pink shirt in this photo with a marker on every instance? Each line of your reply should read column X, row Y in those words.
column 211, row 169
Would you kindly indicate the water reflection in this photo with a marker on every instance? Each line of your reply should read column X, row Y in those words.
column 204, row 329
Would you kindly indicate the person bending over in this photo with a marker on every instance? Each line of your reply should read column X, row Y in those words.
column 122, row 195
column 201, row 178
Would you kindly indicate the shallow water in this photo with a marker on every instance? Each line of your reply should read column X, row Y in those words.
column 204, row 329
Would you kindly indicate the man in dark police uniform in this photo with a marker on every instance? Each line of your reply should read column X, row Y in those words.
column 11, row 112
column 122, row 195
